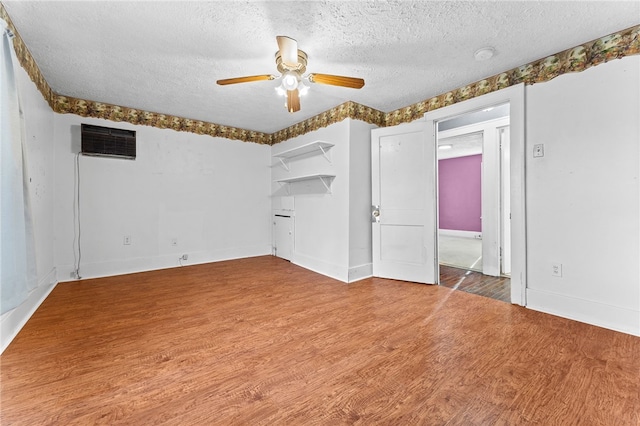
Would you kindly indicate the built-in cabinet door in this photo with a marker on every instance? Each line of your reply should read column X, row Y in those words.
column 283, row 236
column 403, row 197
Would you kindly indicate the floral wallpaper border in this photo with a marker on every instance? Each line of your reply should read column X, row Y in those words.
column 613, row 46
column 579, row 58
column 346, row 110
column 26, row 60
column 84, row 108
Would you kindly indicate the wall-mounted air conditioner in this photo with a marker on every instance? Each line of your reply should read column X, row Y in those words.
column 108, row 142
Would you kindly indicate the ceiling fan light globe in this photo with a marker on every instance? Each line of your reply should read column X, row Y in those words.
column 289, row 81
column 281, row 91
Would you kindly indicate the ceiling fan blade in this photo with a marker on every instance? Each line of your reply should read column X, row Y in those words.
column 337, row 80
column 293, row 101
column 288, row 50
column 245, row 79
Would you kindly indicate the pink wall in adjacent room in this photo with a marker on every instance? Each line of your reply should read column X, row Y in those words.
column 459, row 184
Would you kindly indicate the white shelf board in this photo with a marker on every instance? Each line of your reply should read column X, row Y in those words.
column 325, row 179
column 319, row 146
column 306, row 177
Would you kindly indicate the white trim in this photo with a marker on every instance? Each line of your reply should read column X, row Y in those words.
column 473, row 128
column 321, row 267
column 587, row 311
column 515, row 95
column 12, row 322
column 361, row 272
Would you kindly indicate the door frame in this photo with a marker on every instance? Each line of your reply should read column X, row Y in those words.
column 505, row 202
column 515, row 96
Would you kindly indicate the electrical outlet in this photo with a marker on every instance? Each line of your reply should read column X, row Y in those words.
column 174, row 242
column 538, row 150
column 556, row 269
column 185, row 256
column 127, row 240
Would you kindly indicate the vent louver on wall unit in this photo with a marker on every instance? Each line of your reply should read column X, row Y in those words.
column 108, row 142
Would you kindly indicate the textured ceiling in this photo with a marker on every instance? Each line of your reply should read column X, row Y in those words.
column 166, row 56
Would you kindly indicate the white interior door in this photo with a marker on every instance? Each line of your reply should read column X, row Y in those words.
column 403, row 197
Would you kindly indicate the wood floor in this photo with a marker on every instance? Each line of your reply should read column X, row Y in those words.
column 261, row 341
column 498, row 288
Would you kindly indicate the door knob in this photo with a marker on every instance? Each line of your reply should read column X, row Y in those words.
column 375, row 214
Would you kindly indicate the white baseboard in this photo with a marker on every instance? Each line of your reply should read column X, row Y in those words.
column 12, row 322
column 337, row 272
column 594, row 313
column 463, row 234
column 361, row 272
column 143, row 264
column 340, row 273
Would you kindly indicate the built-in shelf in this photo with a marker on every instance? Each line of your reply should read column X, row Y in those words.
column 324, row 178
column 317, row 147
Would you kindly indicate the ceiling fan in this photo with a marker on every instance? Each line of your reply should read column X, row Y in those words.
column 292, row 63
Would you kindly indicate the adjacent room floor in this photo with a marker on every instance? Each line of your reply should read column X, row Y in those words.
column 263, row 341
column 498, row 288
column 460, row 252
column 461, row 268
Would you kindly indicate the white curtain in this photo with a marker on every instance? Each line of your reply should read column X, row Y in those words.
column 18, row 273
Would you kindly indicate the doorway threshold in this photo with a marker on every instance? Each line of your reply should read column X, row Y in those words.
column 469, row 281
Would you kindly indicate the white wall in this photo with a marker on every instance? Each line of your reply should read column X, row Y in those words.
column 210, row 194
column 583, row 195
column 321, row 239
column 332, row 230
column 38, row 119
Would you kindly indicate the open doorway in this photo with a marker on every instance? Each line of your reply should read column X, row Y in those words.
column 474, row 202
column 404, row 193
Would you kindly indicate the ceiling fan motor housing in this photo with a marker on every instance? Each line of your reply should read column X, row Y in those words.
column 300, row 67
